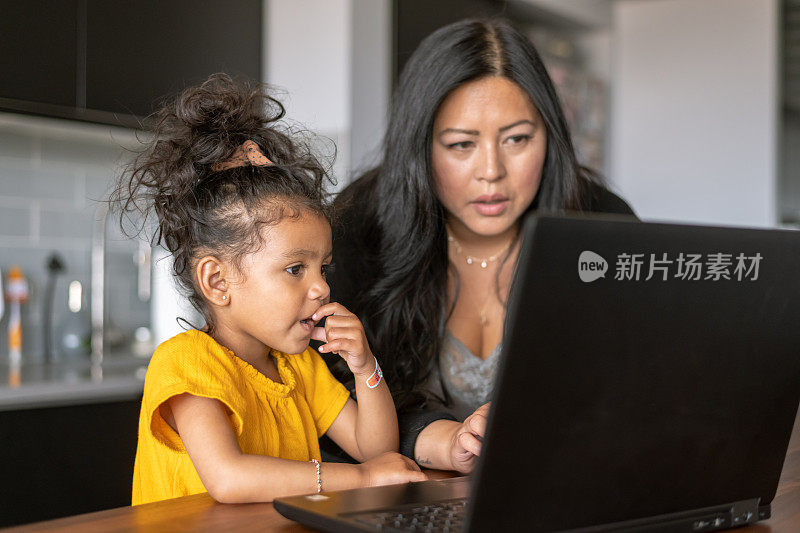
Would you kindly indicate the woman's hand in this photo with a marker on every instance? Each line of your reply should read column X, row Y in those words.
column 465, row 445
column 390, row 468
column 344, row 335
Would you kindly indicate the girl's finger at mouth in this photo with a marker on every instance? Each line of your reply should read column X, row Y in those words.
column 322, row 312
column 333, row 308
column 332, row 347
column 337, row 321
column 318, row 334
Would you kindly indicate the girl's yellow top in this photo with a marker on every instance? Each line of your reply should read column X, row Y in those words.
column 277, row 419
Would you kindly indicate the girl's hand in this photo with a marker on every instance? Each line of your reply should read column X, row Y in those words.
column 465, row 446
column 344, row 334
column 390, row 468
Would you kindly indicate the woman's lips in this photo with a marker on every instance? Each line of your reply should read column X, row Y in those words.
column 490, row 205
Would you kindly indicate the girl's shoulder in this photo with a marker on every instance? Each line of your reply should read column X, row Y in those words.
column 190, row 351
column 189, row 341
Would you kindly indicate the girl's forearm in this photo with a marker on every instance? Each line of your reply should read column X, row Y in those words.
column 434, row 445
column 259, row 478
column 376, row 421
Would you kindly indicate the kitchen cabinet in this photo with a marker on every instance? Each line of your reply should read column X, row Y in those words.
column 113, row 61
column 39, row 51
column 138, row 52
column 65, row 460
column 68, row 438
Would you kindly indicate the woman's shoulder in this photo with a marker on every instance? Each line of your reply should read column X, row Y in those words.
column 353, row 201
column 600, row 199
column 355, row 241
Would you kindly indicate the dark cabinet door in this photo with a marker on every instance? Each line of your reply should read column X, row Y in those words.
column 62, row 461
column 111, row 60
column 138, row 52
column 39, row 51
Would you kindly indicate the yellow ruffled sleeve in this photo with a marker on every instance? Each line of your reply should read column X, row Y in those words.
column 325, row 395
column 192, row 363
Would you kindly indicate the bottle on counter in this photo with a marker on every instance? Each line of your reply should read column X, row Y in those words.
column 73, row 338
column 16, row 294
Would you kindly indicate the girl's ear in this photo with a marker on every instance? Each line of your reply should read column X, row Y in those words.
column 211, row 278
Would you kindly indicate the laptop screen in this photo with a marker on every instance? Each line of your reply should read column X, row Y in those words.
column 647, row 369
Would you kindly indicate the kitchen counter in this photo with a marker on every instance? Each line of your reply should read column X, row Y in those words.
column 119, row 378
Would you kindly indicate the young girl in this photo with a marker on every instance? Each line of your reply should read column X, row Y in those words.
column 237, row 408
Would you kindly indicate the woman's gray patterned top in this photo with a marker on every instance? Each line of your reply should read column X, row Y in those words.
column 468, row 379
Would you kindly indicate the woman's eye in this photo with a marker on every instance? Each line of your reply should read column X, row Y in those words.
column 295, row 270
column 326, row 269
column 519, row 139
column 463, row 145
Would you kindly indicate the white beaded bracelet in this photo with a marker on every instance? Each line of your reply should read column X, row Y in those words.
column 319, row 475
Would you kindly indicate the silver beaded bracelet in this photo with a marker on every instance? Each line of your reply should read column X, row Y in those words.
column 319, row 475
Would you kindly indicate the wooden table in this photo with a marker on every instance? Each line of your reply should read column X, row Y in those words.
column 201, row 513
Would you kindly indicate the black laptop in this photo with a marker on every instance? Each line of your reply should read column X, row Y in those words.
column 649, row 381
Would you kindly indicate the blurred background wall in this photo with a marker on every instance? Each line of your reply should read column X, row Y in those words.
column 695, row 109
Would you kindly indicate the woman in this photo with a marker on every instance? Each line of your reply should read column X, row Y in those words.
column 427, row 242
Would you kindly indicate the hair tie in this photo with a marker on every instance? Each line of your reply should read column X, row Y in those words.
column 247, row 154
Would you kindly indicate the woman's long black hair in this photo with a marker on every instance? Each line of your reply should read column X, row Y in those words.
column 402, row 225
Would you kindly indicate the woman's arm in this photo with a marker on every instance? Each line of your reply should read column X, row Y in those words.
column 231, row 476
column 448, row 445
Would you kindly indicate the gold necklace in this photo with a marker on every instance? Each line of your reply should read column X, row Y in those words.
column 483, row 261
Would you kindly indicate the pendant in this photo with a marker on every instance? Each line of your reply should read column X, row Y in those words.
column 469, row 260
column 483, row 264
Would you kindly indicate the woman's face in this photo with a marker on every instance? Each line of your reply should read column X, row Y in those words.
column 489, row 145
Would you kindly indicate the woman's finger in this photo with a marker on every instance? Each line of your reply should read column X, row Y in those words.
column 470, row 443
column 476, row 424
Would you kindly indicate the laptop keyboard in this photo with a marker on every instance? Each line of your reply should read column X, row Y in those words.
column 445, row 517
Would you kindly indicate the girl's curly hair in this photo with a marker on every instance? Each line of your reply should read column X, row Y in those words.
column 200, row 211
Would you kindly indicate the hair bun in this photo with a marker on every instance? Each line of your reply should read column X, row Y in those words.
column 224, row 105
column 208, row 122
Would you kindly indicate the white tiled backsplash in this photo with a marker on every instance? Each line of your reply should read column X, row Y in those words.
column 52, row 175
